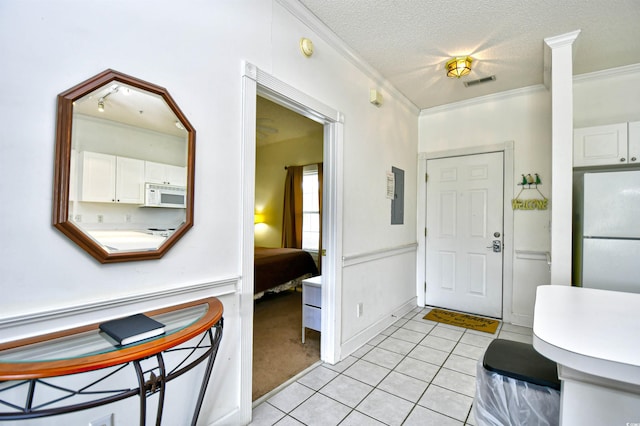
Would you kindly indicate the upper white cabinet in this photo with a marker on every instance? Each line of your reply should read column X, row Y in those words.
column 165, row 174
column 129, row 180
column 110, row 179
column 606, row 145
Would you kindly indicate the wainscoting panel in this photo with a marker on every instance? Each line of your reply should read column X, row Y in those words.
column 533, row 268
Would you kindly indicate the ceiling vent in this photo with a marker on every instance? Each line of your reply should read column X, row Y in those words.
column 479, row 81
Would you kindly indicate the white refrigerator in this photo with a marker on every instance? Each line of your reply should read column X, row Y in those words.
column 611, row 231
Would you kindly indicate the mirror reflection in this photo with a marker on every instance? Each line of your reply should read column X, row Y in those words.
column 129, row 169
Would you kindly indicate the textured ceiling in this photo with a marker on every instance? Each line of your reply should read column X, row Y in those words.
column 409, row 41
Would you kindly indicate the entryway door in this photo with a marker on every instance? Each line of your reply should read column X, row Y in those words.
column 464, row 233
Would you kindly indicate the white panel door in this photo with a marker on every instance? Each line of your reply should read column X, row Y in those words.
column 464, row 222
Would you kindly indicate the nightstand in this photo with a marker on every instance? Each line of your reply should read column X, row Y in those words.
column 311, row 304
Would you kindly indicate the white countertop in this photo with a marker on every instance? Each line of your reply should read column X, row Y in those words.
column 127, row 240
column 589, row 330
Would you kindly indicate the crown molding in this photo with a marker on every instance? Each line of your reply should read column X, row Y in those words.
column 611, row 72
column 299, row 11
column 483, row 99
column 562, row 39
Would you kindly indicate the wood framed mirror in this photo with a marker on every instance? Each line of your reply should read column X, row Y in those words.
column 124, row 168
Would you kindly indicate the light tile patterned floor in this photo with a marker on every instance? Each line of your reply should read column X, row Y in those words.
column 416, row 372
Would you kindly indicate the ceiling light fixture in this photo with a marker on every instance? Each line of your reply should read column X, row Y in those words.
column 459, row 66
column 113, row 89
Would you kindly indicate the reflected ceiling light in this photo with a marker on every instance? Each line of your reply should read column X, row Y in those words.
column 113, row 89
column 179, row 125
column 458, row 66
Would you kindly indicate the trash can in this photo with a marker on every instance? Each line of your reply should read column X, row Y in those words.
column 515, row 385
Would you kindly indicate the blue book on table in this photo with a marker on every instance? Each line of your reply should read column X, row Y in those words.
column 132, row 329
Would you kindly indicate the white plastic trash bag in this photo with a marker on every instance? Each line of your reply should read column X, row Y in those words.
column 504, row 401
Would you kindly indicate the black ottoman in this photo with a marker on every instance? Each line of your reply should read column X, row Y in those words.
column 515, row 385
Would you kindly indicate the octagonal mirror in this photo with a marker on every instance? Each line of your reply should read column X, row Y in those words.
column 124, row 168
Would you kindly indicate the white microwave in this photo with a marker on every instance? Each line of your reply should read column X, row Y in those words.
column 171, row 196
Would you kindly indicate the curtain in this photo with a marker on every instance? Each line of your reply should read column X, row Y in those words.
column 292, row 211
column 320, row 205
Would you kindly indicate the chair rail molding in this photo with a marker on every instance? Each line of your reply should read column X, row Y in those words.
column 43, row 322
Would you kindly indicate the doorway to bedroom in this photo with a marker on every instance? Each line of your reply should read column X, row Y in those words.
column 287, row 241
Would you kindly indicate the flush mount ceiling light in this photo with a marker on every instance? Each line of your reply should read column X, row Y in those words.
column 459, row 66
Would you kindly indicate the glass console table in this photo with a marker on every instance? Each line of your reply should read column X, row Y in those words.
column 81, row 368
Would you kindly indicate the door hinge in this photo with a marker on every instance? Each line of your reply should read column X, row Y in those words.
column 425, row 232
column 426, row 177
column 425, row 286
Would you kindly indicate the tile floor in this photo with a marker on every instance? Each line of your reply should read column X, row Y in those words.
column 416, row 372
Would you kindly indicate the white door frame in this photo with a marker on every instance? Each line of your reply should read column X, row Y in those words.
column 257, row 82
column 508, row 249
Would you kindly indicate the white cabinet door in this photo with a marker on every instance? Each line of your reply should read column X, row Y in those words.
column 109, row 179
column 600, row 145
column 98, row 177
column 129, row 181
column 176, row 175
column 153, row 172
column 166, row 174
column 634, row 142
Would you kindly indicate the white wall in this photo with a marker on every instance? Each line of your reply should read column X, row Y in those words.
column 524, row 117
column 195, row 49
column 612, row 96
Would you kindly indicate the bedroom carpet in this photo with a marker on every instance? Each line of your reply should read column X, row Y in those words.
column 278, row 352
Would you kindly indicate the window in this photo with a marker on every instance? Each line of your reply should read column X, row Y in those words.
column 310, row 209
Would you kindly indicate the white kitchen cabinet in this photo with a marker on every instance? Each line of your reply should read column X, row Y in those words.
column 311, row 304
column 107, row 178
column 129, row 180
column 606, row 145
column 166, row 174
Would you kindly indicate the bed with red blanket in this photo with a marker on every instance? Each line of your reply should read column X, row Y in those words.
column 277, row 267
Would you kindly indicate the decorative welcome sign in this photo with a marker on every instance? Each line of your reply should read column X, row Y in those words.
column 530, row 182
column 532, row 204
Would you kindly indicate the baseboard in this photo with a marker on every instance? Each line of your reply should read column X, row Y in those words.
column 357, row 341
column 521, row 320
